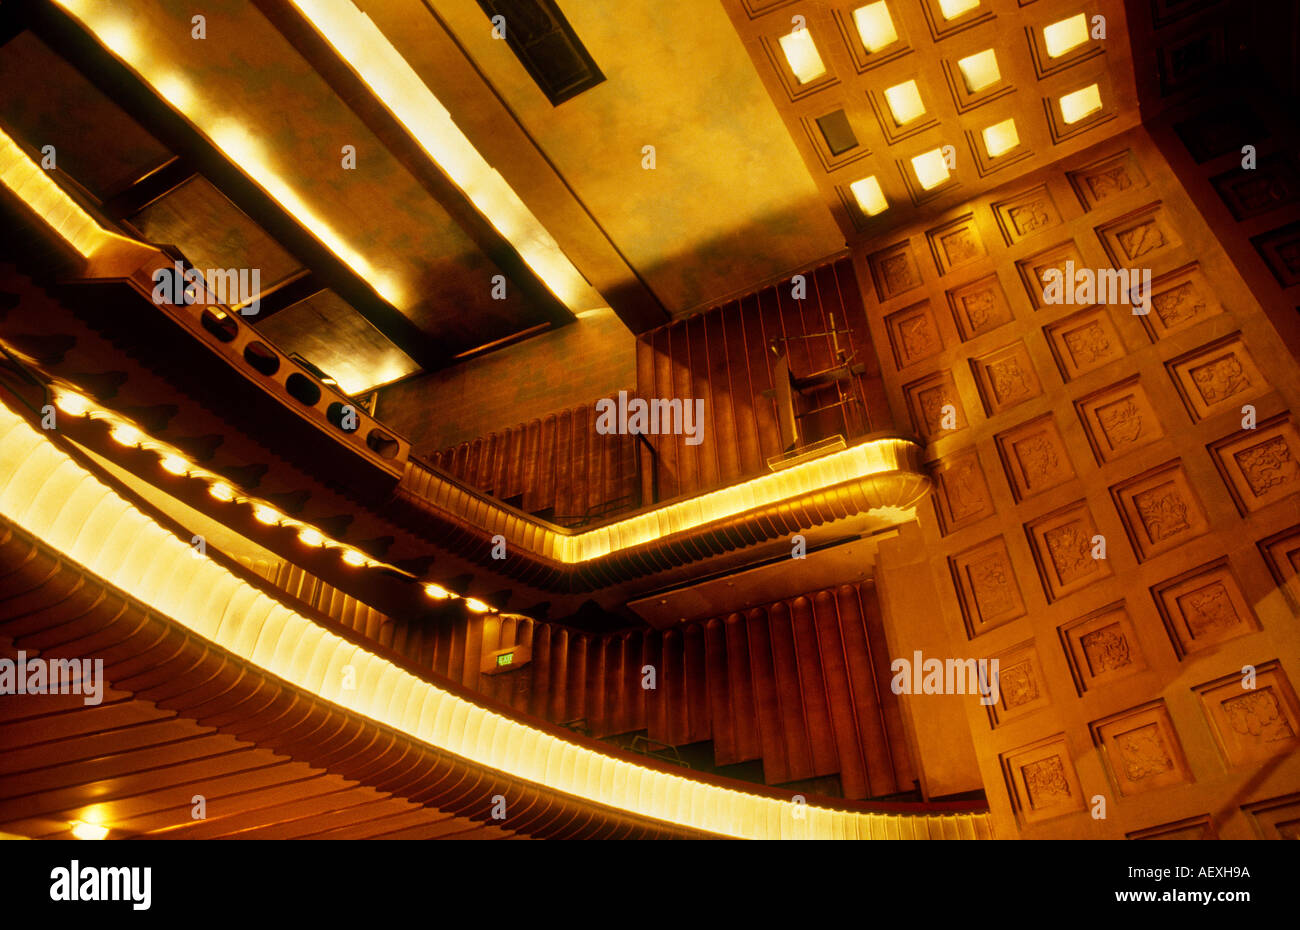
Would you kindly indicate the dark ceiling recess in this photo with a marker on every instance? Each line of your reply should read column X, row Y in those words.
column 546, row 45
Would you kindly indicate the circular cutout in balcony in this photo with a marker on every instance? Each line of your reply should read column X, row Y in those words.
column 344, row 416
column 262, row 358
column 383, row 444
column 303, row 389
column 220, row 323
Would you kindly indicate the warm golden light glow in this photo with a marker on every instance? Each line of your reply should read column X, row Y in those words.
column 905, row 102
column 309, row 537
column 477, row 606
column 54, row 499
column 72, row 404
column 354, row 558
column 931, row 169
column 980, row 70
column 1081, row 104
column 871, row 199
column 1001, row 138
column 1061, row 37
column 89, row 831
column 437, row 592
column 801, row 53
column 222, row 492
column 174, row 465
column 951, row 9
column 126, row 435
column 875, row 26
column 266, row 515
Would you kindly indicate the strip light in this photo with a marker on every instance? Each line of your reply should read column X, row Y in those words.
column 52, row 497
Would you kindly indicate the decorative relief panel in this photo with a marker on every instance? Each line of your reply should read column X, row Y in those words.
column 1034, row 457
column 1282, row 553
column 1063, row 550
column 1193, row 828
column 1280, row 250
column 1138, row 238
column 955, row 244
column 1180, row 299
column 1272, row 183
column 894, row 270
column 961, row 492
column 1033, row 273
column 1113, row 176
column 1022, row 687
column 1118, row 420
column 1042, row 781
column 1159, row 510
column 913, row 334
column 986, row 586
column 1141, row 749
column 1253, row 724
column 979, row 307
column 1276, row 818
column 1204, row 607
column 1027, row 214
column 1261, row 466
column 1005, row 377
column 1083, row 342
column 1217, row 377
column 1102, row 647
column 934, row 404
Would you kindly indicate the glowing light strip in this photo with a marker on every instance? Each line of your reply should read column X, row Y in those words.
column 355, row 37
column 48, row 494
column 102, row 19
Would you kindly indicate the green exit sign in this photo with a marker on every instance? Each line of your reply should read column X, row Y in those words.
column 505, row 658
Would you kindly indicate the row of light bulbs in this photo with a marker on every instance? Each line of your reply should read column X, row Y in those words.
column 171, row 461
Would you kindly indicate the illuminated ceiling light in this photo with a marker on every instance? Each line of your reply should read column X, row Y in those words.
column 1067, row 34
column 126, row 435
column 222, row 492
column 89, row 831
column 871, row 199
column 353, row 557
column 875, row 27
column 309, row 537
column 904, row 102
column 72, row 404
column 930, row 168
column 267, row 515
column 951, row 9
column 477, row 606
column 1081, row 104
column 437, row 592
column 980, row 70
column 174, row 464
column 801, row 53
column 1001, row 138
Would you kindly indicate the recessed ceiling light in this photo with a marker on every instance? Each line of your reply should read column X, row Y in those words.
column 354, row 558
column 905, row 102
column 266, row 515
column 1081, row 104
column 89, row 831
column 222, row 492
column 871, row 199
column 437, row 592
column 801, row 53
column 175, row 465
column 477, row 606
column 309, row 537
column 126, row 435
column 1067, row 34
column 1001, row 138
column 980, row 70
column 931, row 169
column 951, row 9
column 72, row 403
column 875, row 27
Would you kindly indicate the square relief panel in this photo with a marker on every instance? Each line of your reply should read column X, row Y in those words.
column 986, row 586
column 1063, row 547
column 1193, row 828
column 1280, row 250
column 1204, row 607
column 1042, row 781
column 1159, row 510
column 1005, row 378
column 1253, row 724
column 1026, row 214
column 1282, row 553
column 1021, row 686
column 1180, row 299
column 1102, row 647
column 935, row 406
column 1083, row 342
column 979, row 307
column 955, row 244
column 1276, row 818
column 1118, row 420
column 1217, row 377
column 1142, row 750
column 1064, row 258
column 913, row 334
column 1034, row 457
column 961, row 492
column 1261, row 466
column 1110, row 177
column 1135, row 240
column 1255, row 191
column 894, row 271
